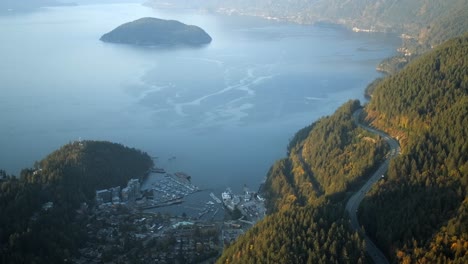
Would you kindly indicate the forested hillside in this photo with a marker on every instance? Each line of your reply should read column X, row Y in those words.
column 86, row 166
column 406, row 16
column 306, row 193
column 419, row 214
column 424, row 23
column 453, row 23
column 32, row 233
column 299, row 235
column 150, row 31
column 432, row 20
column 325, row 159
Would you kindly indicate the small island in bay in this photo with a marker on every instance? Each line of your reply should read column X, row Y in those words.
column 150, row 31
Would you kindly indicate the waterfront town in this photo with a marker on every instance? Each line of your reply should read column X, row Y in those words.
column 125, row 225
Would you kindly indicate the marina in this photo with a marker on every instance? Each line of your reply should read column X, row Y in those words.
column 215, row 198
column 249, row 204
column 165, row 190
column 170, row 192
column 168, row 203
column 174, row 194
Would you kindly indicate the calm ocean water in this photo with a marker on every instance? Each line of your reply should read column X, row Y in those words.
column 222, row 113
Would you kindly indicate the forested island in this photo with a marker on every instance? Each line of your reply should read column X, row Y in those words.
column 150, row 31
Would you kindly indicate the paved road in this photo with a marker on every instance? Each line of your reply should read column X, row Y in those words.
column 353, row 203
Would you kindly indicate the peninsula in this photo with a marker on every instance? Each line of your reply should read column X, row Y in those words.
column 150, row 31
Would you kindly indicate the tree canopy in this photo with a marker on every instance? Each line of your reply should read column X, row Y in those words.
column 32, row 233
column 305, row 195
column 419, row 213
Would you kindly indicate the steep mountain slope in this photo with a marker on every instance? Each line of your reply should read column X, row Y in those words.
column 420, row 213
column 299, row 235
column 326, row 160
column 453, row 23
column 306, row 192
column 413, row 17
column 408, row 16
column 422, row 23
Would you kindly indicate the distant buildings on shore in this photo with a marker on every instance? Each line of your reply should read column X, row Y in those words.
column 115, row 195
column 367, row 30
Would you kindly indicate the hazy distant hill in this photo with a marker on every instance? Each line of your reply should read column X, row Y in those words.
column 383, row 14
column 25, row 5
column 428, row 22
column 409, row 16
column 157, row 32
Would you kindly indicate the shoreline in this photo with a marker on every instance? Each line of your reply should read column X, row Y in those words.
column 386, row 66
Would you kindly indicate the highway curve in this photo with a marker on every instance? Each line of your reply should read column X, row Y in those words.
column 353, row 204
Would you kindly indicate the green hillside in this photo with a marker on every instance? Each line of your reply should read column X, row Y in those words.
column 67, row 177
column 299, row 235
column 403, row 15
column 453, row 23
column 306, row 193
column 325, row 160
column 89, row 165
column 420, row 212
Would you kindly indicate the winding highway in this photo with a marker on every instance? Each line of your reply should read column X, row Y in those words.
column 353, row 203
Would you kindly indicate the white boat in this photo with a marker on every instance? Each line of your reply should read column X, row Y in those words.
column 215, row 198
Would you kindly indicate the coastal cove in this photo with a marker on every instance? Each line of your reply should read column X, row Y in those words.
column 222, row 113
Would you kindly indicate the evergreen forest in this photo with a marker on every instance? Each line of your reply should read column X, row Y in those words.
column 416, row 214
column 419, row 214
column 32, row 232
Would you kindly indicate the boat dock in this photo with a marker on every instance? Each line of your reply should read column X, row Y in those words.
column 156, row 205
column 215, row 198
column 157, row 170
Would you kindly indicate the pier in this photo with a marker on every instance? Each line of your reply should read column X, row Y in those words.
column 215, row 198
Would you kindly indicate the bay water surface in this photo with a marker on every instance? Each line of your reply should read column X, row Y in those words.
column 222, row 113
